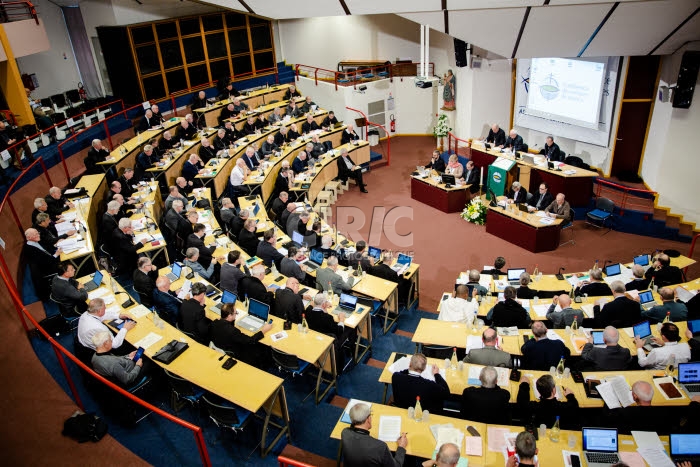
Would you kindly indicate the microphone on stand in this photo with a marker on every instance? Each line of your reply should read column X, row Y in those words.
column 559, row 275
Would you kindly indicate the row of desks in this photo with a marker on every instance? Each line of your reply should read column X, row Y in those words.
column 253, row 100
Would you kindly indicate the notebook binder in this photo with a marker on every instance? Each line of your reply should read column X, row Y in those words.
column 170, row 351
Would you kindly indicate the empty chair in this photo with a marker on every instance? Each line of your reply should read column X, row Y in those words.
column 182, row 392
column 602, row 213
column 73, row 96
column 59, row 100
column 224, row 414
column 288, row 362
column 568, row 227
column 46, row 102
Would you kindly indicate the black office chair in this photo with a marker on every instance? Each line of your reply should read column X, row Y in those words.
column 145, row 298
column 570, row 228
column 437, row 351
column 288, row 362
column 46, row 102
column 224, row 414
column 59, row 100
column 602, row 213
column 68, row 311
column 182, row 392
column 73, row 96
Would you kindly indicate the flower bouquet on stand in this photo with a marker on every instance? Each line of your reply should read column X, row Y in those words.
column 441, row 129
column 475, row 212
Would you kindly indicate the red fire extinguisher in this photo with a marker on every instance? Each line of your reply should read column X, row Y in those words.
column 393, row 123
column 81, row 92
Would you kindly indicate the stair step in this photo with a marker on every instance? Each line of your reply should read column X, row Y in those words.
column 685, row 229
column 673, row 221
column 660, row 214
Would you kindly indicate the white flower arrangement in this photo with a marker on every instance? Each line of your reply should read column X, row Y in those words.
column 475, row 212
column 441, row 129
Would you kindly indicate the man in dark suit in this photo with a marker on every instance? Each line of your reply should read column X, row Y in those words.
column 497, row 269
column 56, row 202
column 407, row 385
column 174, row 220
column 348, row 169
column 238, row 222
column 282, row 137
column 288, row 303
column 269, row 147
column 167, row 305
column 145, row 279
column 612, row 357
column 229, row 92
column 517, row 193
column 67, row 290
column 290, row 267
column 279, row 205
column 199, row 101
column 123, row 242
column 127, row 181
column 226, row 113
column 541, row 200
column 292, row 91
column 206, row 150
column 320, row 319
column 509, row 312
column 145, row 123
column 220, row 141
column 360, row 257
column 185, row 131
column 496, row 136
column 47, row 232
column 471, row 177
column 284, row 217
column 622, row 312
column 487, row 403
column 514, row 141
column 642, row 416
column 250, row 159
column 191, row 168
column 542, row 353
column 97, row 153
column 308, row 103
column 192, row 317
column 360, row 449
column 309, row 125
column 329, row 121
column 548, row 408
column 595, row 287
column 42, row 264
column 249, row 127
column 436, row 162
column 551, row 150
column 266, row 250
column 253, row 287
column 300, row 163
column 196, row 240
column 226, row 336
column 639, row 282
column 247, row 238
column 662, row 273
column 349, row 135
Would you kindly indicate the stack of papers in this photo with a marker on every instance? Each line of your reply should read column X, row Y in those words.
column 546, row 220
column 656, row 457
column 552, row 335
column 402, row 364
column 150, row 339
column 616, row 392
column 541, row 310
column 448, row 434
column 389, row 428
column 511, row 331
column 139, row 311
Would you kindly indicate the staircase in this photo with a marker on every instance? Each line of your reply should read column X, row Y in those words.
column 285, row 73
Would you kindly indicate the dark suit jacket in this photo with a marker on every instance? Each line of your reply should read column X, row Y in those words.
column 206, row 153
column 360, row 450
column 178, row 223
column 126, row 250
column 328, row 121
column 288, row 305
column 193, row 320
column 67, row 291
column 667, row 275
column 594, row 289
column 407, row 387
column 498, row 138
column 438, row 165
column 248, row 242
column 347, row 137
column 93, row 157
column 519, row 197
column 621, row 312
column 251, row 163
column 640, row 418
column 299, row 166
column 230, row 277
column 343, row 172
column 510, row 313
column 254, row 288
column 486, row 405
column 166, row 305
column 237, row 225
column 56, row 206
column 227, row 336
column 190, row 170
column 278, row 205
column 385, row 272
column 307, row 127
column 608, row 358
column 473, row 178
column 543, row 354
column 517, row 142
column 145, row 283
column 637, row 284
column 546, row 410
column 49, row 237
column 268, row 254
column 205, row 253
column 546, row 200
column 248, row 128
column 553, row 153
column 526, row 292
column 323, row 322
column 219, row 143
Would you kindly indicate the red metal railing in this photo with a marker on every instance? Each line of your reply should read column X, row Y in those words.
column 388, row 136
column 61, row 352
column 627, row 193
column 9, row 116
column 17, row 11
column 287, row 462
column 347, row 78
column 454, row 140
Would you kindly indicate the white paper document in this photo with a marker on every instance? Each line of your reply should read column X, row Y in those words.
column 147, row 341
column 448, row 435
column 540, row 310
column 473, row 446
column 655, row 457
column 648, row 439
column 139, row 311
column 389, row 428
column 616, row 392
column 402, row 364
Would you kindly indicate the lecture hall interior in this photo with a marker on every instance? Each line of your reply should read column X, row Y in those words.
column 272, row 232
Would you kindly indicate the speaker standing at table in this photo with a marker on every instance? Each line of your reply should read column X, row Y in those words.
column 551, row 151
column 496, row 136
column 348, row 169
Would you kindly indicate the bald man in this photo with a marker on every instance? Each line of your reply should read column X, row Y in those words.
column 611, row 357
column 564, row 315
column 496, row 136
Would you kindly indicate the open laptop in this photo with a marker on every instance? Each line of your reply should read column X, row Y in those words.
column 689, row 377
column 613, row 270
column 297, row 240
column 646, row 299
column 347, row 304
column 227, row 297
column 600, row 446
column 94, row 283
column 527, row 158
column 514, row 276
column 685, row 448
column 175, row 272
column 403, row 262
column 375, row 253
column 694, row 326
column 641, row 260
column 338, row 124
column 315, row 259
column 257, row 316
column 643, row 330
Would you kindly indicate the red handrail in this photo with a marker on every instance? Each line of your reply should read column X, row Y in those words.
column 287, row 462
column 388, row 136
column 626, row 192
column 335, row 76
column 451, row 136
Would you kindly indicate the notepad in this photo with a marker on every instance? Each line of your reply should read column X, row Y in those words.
column 147, row 341
column 473, row 446
column 389, row 428
column 139, row 311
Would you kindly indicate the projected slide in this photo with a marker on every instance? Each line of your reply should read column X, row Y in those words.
column 565, row 89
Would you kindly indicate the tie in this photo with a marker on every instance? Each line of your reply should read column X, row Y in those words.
column 539, row 201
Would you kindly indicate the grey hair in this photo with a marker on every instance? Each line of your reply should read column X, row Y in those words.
column 611, row 335
column 100, row 338
column 359, row 413
column 113, row 206
column 618, row 287
column 488, row 377
column 124, row 223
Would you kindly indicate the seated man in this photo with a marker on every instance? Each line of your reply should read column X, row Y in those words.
column 473, row 278
column 175, row 221
column 498, row 265
column 595, row 286
column 309, row 125
column 300, row 163
column 97, row 153
column 622, row 312
column 436, row 162
column 226, row 113
column 192, row 167
column 490, row 354
column 641, row 416
column 349, row 134
column 348, row 169
column 291, row 92
column 639, row 282
column 293, row 110
column 408, row 385
column 145, row 277
column 360, row 257
column 91, row 322
column 542, row 353
column 329, row 121
column 525, row 449
column 227, row 211
column 185, row 131
column 514, row 141
column 166, row 141
column 199, row 101
column 280, row 203
column 670, row 352
column 307, row 105
column 65, row 289
column 319, row 317
column 276, row 117
column 251, row 161
column 548, row 408
column 167, row 305
column 57, row 203
column 328, row 280
column 220, row 141
column 612, row 357
column 248, row 238
column 196, row 240
column 266, row 250
column 496, row 136
column 206, row 151
column 662, row 273
column 48, row 235
column 288, row 303
column 229, row 92
column 146, row 159
column 541, row 200
column 281, row 138
column 145, row 123
column 487, row 403
column 226, row 336
column 42, row 264
column 517, row 193
column 253, row 287
column 239, row 221
column 560, row 209
column 192, row 318
column 249, row 127
column 360, row 449
column 551, row 150
column 239, row 174
column 524, row 291
column 231, row 272
column 566, row 315
column 120, row 369
column 676, row 311
column 471, row 177
column 460, row 307
column 293, row 132
column 269, row 147
column 290, row 267
column 239, row 106
column 192, row 262
column 509, row 312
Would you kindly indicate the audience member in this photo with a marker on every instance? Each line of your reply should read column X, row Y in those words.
column 639, row 282
column 622, row 312
column 525, row 449
column 167, row 305
column 226, row 336
column 595, row 286
column 288, row 303
column 497, row 269
column 231, row 272
column 290, row 265
column 509, row 312
column 524, row 291
column 548, row 408
column 267, row 251
column 662, row 273
column 670, row 350
column 66, row 290
column 120, row 369
column 542, row 353
column 192, row 318
column 192, row 262
column 92, row 321
column 460, row 307
column 360, row 449
column 565, row 315
column 408, row 385
column 487, row 403
column 145, row 277
column 348, row 169
column 328, row 280
column 676, row 311
column 253, row 287
column 611, row 357
column 490, row 354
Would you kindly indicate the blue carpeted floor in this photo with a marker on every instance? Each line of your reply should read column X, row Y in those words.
column 160, row 442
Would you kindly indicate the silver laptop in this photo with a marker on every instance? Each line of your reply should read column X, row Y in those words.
column 689, row 377
column 643, row 330
column 514, row 276
column 347, row 304
column 527, row 158
column 600, row 446
column 94, row 283
column 257, row 315
column 174, row 273
column 646, row 299
column 684, row 448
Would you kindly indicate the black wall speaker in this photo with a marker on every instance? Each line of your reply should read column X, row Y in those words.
column 687, row 78
column 460, row 53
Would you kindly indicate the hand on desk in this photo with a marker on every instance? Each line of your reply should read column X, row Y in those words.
column 341, row 317
column 566, row 391
column 266, row 327
column 402, row 441
column 129, row 325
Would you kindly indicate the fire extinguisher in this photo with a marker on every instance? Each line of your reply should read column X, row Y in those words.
column 393, row 123
column 81, row 92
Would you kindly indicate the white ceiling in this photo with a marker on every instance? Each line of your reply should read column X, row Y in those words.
column 553, row 28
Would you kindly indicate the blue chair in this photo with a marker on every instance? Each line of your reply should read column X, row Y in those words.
column 602, row 213
column 182, row 392
column 224, row 414
column 288, row 362
column 569, row 227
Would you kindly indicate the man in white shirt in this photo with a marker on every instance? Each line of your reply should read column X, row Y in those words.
column 659, row 357
column 91, row 322
column 459, row 308
column 239, row 174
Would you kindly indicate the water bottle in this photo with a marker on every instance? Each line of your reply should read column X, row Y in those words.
column 418, row 410
column 670, row 366
column 574, row 325
column 273, row 269
column 560, row 368
column 555, row 432
column 304, row 324
column 246, row 302
column 667, row 319
column 453, row 360
column 536, row 271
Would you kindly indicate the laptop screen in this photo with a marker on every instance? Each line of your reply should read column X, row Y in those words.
column 600, row 439
column 228, row 297
column 97, row 278
column 316, row 256
column 348, row 301
column 258, row 309
column 642, row 260
column 375, row 252
column 514, row 274
column 694, row 326
column 403, row 259
column 642, row 329
column 177, row 269
column 256, row 209
column 689, row 372
column 612, row 270
column 597, row 337
column 646, row 296
column 684, row 445
column 297, row 237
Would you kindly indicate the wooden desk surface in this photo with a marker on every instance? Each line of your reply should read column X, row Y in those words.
column 82, row 215
column 531, row 219
column 433, row 179
column 91, row 183
column 134, row 144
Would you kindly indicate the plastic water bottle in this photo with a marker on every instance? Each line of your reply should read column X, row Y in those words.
column 273, row 269
column 574, row 325
column 560, row 368
column 453, row 360
column 304, row 324
column 555, row 431
column 667, row 319
column 246, row 302
column 418, row 410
